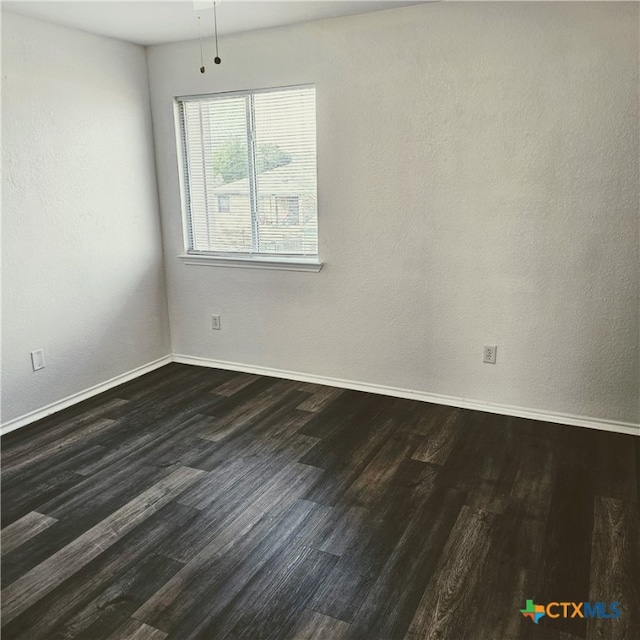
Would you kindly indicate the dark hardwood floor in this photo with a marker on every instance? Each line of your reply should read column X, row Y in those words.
column 198, row 503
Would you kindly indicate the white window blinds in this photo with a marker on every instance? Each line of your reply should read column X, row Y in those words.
column 249, row 173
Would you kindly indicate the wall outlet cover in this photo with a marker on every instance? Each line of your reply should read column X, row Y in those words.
column 37, row 359
column 489, row 354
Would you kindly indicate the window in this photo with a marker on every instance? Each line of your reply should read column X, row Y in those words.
column 289, row 207
column 252, row 158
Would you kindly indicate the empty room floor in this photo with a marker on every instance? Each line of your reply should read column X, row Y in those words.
column 200, row 503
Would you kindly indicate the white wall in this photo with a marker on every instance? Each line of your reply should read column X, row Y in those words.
column 478, row 184
column 82, row 260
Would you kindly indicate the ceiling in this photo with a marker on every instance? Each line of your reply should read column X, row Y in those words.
column 155, row 22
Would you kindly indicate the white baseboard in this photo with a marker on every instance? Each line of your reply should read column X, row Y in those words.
column 628, row 428
column 453, row 401
column 54, row 407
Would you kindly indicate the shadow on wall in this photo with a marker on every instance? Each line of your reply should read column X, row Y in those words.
column 117, row 336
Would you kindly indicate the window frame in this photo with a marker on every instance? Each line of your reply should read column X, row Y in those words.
column 191, row 256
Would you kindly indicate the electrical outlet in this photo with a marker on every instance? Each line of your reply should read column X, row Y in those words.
column 37, row 359
column 215, row 322
column 489, row 354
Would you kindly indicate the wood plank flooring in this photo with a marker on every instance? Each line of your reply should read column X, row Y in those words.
column 195, row 503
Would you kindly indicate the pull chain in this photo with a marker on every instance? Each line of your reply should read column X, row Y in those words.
column 202, row 69
column 215, row 26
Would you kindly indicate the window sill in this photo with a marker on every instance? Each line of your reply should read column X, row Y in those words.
column 246, row 262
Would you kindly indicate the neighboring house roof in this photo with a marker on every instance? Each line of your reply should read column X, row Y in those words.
column 289, row 179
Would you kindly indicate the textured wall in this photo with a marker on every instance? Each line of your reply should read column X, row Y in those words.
column 82, row 261
column 478, row 184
